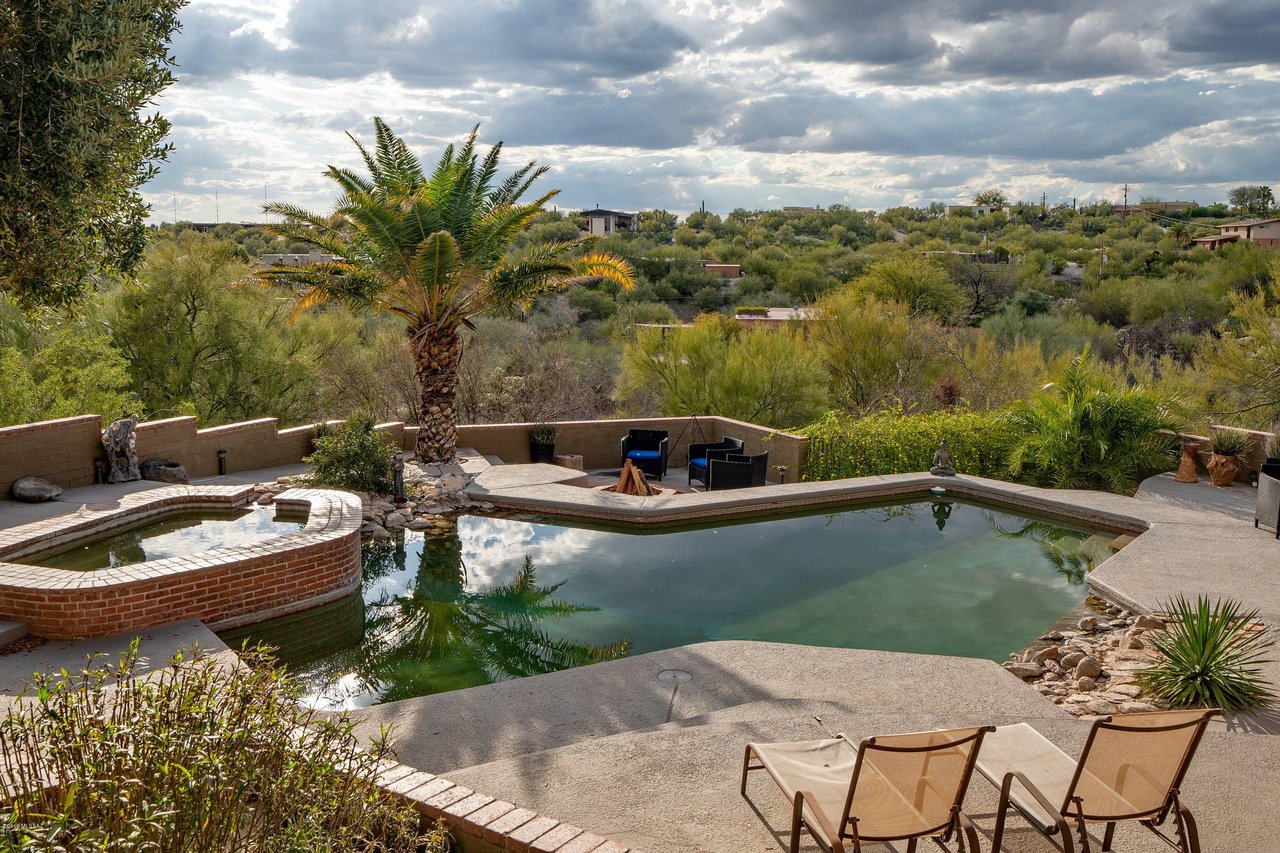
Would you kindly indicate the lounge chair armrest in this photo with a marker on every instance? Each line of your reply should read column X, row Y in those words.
column 1036, row 793
column 823, row 823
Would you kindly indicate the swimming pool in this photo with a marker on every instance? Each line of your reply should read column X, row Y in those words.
column 503, row 598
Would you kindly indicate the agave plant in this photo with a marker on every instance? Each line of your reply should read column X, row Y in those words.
column 1230, row 442
column 1210, row 656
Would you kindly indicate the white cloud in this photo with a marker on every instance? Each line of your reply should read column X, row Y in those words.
column 669, row 103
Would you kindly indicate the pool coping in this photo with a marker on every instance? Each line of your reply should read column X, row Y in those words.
column 1159, row 529
column 43, row 597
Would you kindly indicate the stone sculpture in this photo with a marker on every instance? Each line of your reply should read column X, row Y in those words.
column 942, row 466
column 163, row 471
column 122, row 450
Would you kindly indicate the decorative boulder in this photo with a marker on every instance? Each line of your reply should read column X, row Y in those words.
column 34, row 490
column 163, row 471
column 122, row 450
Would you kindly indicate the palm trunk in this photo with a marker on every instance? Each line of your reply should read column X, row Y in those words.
column 436, row 353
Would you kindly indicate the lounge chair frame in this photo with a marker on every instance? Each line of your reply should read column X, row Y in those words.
column 1185, row 838
column 646, row 439
column 718, row 450
column 957, row 824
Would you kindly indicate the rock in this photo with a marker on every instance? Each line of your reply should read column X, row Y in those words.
column 34, row 490
column 394, row 519
column 1130, row 690
column 382, row 506
column 374, row 531
column 1088, row 667
column 1129, row 641
column 163, row 471
column 1148, row 622
column 1075, row 710
column 1044, row 654
column 1069, row 661
column 1100, row 706
column 1024, row 670
column 418, row 524
column 432, row 508
column 1052, row 635
column 122, row 450
column 1088, row 623
column 1137, row 708
column 1084, row 684
column 453, row 482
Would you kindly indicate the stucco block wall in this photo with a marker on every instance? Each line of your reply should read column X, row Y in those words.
column 60, row 451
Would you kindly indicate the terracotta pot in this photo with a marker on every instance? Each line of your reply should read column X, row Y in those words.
column 1187, row 466
column 1222, row 469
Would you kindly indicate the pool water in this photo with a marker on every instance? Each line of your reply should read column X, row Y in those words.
column 505, row 598
column 173, row 535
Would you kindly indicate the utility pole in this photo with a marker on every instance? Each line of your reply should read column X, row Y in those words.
column 1044, row 198
column 1126, row 202
column 217, row 210
column 175, row 210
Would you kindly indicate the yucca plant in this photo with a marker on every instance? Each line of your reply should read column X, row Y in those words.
column 1230, row 442
column 1210, row 657
column 1272, row 445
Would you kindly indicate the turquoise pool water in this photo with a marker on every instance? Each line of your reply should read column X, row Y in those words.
column 172, row 535
column 505, row 598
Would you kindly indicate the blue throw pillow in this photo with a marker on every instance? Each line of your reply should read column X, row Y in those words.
column 644, row 454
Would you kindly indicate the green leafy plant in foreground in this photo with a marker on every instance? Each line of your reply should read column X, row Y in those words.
column 1210, row 656
column 206, row 755
column 353, row 456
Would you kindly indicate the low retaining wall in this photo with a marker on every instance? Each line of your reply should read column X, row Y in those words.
column 223, row 588
column 63, row 451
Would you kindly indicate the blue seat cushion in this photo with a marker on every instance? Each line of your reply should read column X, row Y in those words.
column 700, row 462
column 644, row 454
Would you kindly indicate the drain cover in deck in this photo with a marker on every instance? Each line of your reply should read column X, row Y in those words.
column 673, row 676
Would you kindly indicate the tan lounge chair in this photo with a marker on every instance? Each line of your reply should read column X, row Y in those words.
column 895, row 788
column 1130, row 769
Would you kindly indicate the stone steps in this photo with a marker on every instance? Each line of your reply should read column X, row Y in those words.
column 11, row 631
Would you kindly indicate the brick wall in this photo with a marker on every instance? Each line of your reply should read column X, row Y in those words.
column 222, row 588
column 60, row 451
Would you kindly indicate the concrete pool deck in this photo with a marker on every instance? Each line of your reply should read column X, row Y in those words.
column 655, row 765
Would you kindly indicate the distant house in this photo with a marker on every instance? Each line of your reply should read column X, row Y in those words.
column 971, row 209
column 315, row 256
column 722, row 270
column 770, row 316
column 817, row 208
column 601, row 222
column 1262, row 232
column 1165, row 207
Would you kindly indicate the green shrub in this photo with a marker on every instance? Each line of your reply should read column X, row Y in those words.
column 353, row 456
column 201, row 756
column 892, row 443
column 1230, row 442
column 1210, row 656
column 1086, row 433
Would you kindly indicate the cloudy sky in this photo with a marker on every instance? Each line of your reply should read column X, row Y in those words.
column 736, row 103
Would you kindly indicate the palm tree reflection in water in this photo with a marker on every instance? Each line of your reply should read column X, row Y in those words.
column 1071, row 554
column 439, row 635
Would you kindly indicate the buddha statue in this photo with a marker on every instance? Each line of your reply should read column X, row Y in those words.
column 942, row 466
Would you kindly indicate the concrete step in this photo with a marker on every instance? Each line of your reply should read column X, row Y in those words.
column 10, row 631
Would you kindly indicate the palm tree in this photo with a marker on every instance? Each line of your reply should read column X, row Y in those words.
column 1088, row 435
column 433, row 251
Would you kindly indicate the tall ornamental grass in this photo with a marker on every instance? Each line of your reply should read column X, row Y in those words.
column 201, row 756
column 891, row 442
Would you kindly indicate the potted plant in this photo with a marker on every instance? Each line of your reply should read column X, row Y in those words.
column 1226, row 448
column 542, row 443
column 1272, row 446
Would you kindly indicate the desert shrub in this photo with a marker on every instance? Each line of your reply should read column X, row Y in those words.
column 201, row 756
column 1211, row 656
column 353, row 456
column 1087, row 433
column 890, row 442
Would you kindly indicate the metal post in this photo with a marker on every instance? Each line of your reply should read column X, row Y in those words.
column 222, row 462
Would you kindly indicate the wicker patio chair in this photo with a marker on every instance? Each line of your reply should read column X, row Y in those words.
column 735, row 471
column 647, row 450
column 1130, row 769
column 701, row 454
column 895, row 788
